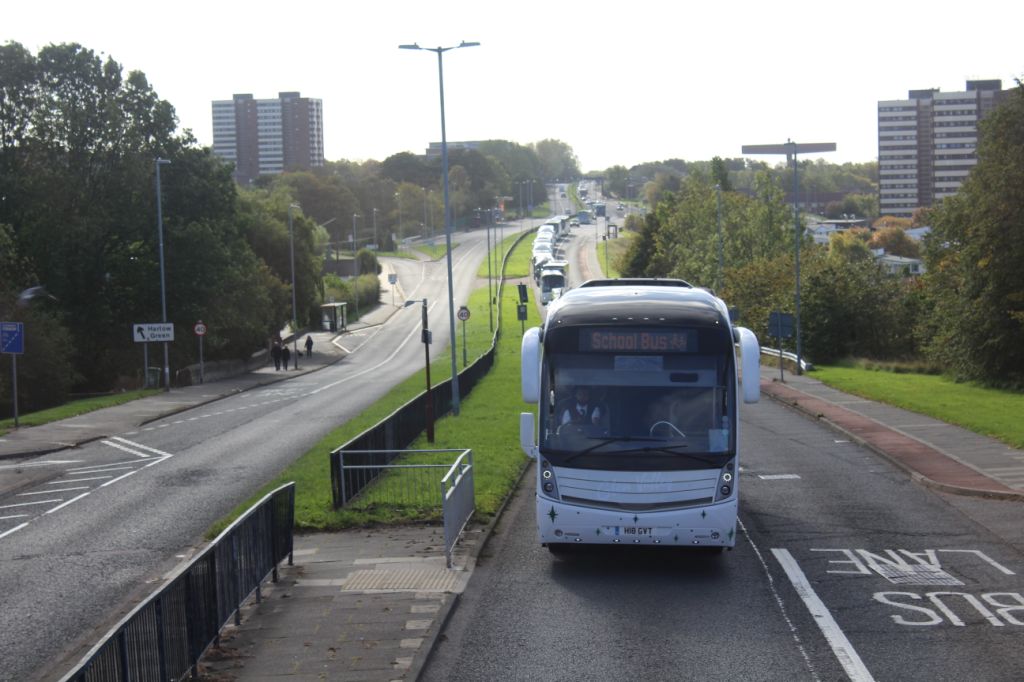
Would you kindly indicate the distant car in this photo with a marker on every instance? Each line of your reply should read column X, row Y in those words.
column 574, row 223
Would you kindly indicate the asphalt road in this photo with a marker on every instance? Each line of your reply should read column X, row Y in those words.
column 845, row 569
column 69, row 575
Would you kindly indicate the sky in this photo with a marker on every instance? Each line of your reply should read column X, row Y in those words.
column 621, row 83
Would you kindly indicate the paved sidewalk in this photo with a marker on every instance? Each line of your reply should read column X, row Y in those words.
column 934, row 453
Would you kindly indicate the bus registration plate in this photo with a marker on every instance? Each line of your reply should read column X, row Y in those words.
column 632, row 531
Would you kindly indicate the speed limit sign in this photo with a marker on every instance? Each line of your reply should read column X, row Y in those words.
column 200, row 328
column 463, row 313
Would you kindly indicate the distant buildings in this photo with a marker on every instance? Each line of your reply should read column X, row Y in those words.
column 268, row 136
column 927, row 144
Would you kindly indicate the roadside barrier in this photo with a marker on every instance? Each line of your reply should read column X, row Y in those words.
column 164, row 637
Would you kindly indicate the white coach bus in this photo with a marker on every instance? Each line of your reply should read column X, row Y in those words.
column 636, row 434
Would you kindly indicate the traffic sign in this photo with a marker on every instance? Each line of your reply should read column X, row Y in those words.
column 148, row 332
column 200, row 328
column 463, row 313
column 392, row 278
column 12, row 337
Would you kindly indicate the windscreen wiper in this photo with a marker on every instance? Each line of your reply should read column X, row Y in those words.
column 606, row 440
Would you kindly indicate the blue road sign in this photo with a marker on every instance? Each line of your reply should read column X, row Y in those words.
column 12, row 337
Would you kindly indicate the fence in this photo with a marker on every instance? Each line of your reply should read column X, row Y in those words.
column 164, row 637
column 412, row 484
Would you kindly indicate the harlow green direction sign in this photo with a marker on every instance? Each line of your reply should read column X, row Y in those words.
column 152, row 332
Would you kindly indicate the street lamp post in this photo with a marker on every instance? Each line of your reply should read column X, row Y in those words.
column 398, row 200
column 447, row 215
column 375, row 241
column 718, row 280
column 295, row 317
column 355, row 262
column 426, row 352
column 163, row 292
column 791, row 149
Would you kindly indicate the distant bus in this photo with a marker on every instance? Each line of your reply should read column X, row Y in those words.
column 651, row 456
column 599, row 210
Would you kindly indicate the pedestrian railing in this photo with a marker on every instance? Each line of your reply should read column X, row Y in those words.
column 805, row 366
column 164, row 637
column 411, row 485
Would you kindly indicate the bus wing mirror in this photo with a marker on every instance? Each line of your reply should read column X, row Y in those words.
column 526, row 434
column 750, row 354
column 530, row 368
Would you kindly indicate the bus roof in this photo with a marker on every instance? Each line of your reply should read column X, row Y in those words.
column 654, row 302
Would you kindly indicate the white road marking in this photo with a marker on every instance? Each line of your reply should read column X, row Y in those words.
column 121, row 447
column 144, row 447
column 76, row 480
column 29, row 504
column 780, row 603
column 50, row 492
column 61, row 506
column 841, row 646
column 13, row 516
column 777, row 477
column 44, row 463
column 100, row 469
column 13, row 530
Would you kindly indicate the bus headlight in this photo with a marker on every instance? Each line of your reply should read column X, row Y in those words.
column 548, row 484
column 726, row 482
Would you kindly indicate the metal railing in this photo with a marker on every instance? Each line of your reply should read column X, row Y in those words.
column 786, row 355
column 164, row 637
column 411, row 485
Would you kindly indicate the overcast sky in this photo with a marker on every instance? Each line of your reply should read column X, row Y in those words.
column 621, row 83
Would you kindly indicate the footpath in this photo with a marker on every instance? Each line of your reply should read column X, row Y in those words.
column 368, row 604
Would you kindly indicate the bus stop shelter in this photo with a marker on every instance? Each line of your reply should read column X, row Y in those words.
column 333, row 317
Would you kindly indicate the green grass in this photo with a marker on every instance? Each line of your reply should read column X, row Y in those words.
column 435, row 251
column 497, row 457
column 75, row 408
column 610, row 251
column 991, row 412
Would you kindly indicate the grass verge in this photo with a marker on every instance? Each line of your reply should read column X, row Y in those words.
column 494, row 440
column 988, row 411
column 75, row 408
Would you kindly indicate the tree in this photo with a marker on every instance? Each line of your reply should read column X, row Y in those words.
column 557, row 160
column 975, row 281
column 720, row 174
column 850, row 246
column 895, row 241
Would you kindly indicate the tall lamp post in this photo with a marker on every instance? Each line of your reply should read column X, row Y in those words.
column 791, row 149
column 163, row 292
column 355, row 262
column 721, row 257
column 375, row 241
column 398, row 200
column 447, row 214
column 295, row 317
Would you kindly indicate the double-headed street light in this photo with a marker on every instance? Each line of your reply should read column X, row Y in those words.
column 163, row 293
column 791, row 149
column 447, row 213
column 295, row 317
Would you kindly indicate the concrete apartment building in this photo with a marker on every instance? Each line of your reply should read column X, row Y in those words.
column 268, row 136
column 927, row 144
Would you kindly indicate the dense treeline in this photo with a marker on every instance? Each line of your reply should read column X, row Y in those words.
column 79, row 244
column 965, row 315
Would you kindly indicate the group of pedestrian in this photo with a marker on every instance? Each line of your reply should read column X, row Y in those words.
column 282, row 355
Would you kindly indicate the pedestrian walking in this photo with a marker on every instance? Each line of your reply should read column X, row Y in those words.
column 275, row 353
column 309, row 346
column 286, row 355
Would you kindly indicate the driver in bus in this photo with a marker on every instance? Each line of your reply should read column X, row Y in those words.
column 581, row 410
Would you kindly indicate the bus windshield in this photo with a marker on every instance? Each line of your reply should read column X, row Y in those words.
column 638, row 410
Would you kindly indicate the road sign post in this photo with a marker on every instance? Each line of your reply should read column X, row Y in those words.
column 200, row 330
column 151, row 332
column 463, row 315
column 12, row 340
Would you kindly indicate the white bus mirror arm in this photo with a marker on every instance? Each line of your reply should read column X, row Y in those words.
column 526, row 434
